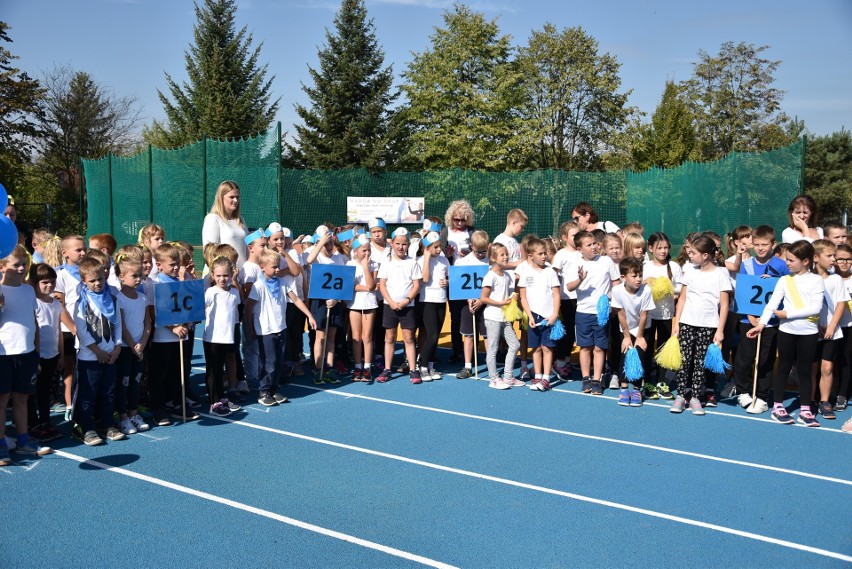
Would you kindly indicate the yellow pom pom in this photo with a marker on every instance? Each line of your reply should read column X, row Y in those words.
column 512, row 312
column 669, row 356
column 661, row 287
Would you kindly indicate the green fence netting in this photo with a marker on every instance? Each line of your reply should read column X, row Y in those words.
column 175, row 188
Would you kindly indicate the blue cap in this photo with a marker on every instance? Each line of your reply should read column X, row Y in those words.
column 430, row 239
column 288, row 233
column 360, row 241
column 399, row 232
column 430, row 225
column 377, row 222
column 274, row 227
column 254, row 236
column 345, row 235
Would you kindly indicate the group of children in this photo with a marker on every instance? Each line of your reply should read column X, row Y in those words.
column 86, row 314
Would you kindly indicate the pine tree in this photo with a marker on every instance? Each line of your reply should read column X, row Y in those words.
column 227, row 95
column 346, row 125
column 670, row 139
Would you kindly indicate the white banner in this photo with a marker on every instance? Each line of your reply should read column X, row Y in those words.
column 392, row 210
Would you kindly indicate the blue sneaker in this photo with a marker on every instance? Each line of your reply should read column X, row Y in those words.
column 624, row 398
column 635, row 398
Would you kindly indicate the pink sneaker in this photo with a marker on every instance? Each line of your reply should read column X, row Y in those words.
column 513, row 382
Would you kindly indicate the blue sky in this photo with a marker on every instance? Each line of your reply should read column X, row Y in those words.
column 128, row 45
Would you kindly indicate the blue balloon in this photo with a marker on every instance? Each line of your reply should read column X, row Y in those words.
column 8, row 236
column 4, row 197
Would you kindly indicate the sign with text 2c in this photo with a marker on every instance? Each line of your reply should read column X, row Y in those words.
column 466, row 281
column 332, row 282
column 179, row 302
column 753, row 292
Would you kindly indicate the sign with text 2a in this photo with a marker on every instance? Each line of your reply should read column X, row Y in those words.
column 466, row 281
column 179, row 302
column 332, row 282
column 753, row 292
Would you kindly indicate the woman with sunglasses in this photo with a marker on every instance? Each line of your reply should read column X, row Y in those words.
column 585, row 216
column 456, row 235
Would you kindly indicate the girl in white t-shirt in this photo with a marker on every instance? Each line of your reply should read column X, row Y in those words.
column 498, row 289
column 362, row 308
column 834, row 307
column 660, row 265
column 221, row 311
column 564, row 258
column 802, row 293
column 702, row 310
column 50, row 348
column 432, row 308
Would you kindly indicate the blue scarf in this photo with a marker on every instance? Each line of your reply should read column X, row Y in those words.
column 73, row 270
column 273, row 285
column 102, row 301
column 164, row 278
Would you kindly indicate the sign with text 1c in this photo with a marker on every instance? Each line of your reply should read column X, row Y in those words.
column 753, row 292
column 179, row 302
column 466, row 281
column 332, row 282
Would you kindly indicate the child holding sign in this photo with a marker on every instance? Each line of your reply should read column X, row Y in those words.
column 765, row 265
column 475, row 307
column 324, row 253
column 498, row 288
column 399, row 282
column 802, row 293
column 362, row 308
column 539, row 286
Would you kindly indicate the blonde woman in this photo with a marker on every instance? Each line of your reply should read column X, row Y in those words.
column 224, row 224
column 458, row 228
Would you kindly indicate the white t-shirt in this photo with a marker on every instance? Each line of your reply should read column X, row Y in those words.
column 220, row 312
column 269, row 313
column 600, row 272
column 17, row 320
column 85, row 338
column 502, row 287
column 846, row 320
column 811, row 290
column 704, row 289
column 399, row 276
column 67, row 284
column 562, row 262
column 790, row 235
column 249, row 273
column 363, row 300
column 298, row 282
column 665, row 309
column 512, row 246
column 222, row 231
column 633, row 305
column 133, row 314
column 539, row 284
column 461, row 241
column 835, row 291
column 47, row 316
column 439, row 268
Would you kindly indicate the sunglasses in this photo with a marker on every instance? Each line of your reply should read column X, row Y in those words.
column 576, row 218
column 480, row 252
column 463, row 220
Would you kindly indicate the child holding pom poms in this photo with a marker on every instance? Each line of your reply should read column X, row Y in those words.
column 498, row 289
column 699, row 320
column 661, row 274
column 632, row 299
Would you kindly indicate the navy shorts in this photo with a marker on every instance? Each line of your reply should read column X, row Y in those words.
column 319, row 309
column 405, row 318
column 18, row 373
column 466, row 321
column 590, row 333
column 539, row 335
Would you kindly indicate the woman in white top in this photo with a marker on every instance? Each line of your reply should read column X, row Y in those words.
column 802, row 213
column 224, row 224
column 585, row 216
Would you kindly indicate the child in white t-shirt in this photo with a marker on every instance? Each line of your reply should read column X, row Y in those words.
column 539, row 287
column 474, row 307
column 362, row 308
column 221, row 310
column 432, row 308
column 564, row 258
column 498, row 289
column 249, row 273
column 48, row 313
column 67, row 293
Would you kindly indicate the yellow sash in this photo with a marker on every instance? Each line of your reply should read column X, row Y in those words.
column 797, row 298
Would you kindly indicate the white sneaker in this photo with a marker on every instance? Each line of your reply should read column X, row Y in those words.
column 744, row 400
column 127, row 426
column 497, row 383
column 614, row 383
column 139, row 423
column 425, row 375
column 759, row 406
column 435, row 374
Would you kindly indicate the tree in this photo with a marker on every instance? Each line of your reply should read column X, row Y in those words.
column 572, row 106
column 732, row 97
column 347, row 123
column 462, row 95
column 227, row 95
column 20, row 109
column 670, row 138
column 828, row 173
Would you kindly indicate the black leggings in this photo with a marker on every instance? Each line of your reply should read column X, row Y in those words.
column 432, row 318
column 843, row 366
column 39, row 404
column 568, row 312
column 801, row 349
column 216, row 356
column 657, row 335
column 456, row 307
column 295, row 339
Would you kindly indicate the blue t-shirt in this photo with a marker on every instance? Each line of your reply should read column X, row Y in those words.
column 775, row 267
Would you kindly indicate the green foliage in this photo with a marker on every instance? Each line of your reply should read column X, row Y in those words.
column 828, row 173
column 347, row 123
column 735, row 105
column 462, row 94
column 572, row 107
column 20, row 109
column 227, row 95
column 670, row 138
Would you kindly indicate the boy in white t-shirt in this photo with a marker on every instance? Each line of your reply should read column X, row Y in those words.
column 592, row 277
column 633, row 301
column 475, row 307
column 256, row 242
column 539, row 287
column 67, row 286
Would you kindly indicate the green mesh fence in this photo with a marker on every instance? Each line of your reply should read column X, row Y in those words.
column 175, row 189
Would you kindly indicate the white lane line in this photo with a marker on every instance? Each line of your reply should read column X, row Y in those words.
column 546, row 490
column 260, row 512
column 585, row 436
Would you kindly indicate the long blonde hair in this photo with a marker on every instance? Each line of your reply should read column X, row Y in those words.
column 218, row 206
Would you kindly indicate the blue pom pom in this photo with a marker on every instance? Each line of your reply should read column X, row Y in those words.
column 633, row 365
column 557, row 331
column 603, row 310
column 714, row 360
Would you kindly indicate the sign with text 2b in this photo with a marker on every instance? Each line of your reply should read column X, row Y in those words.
column 466, row 281
column 179, row 302
column 332, row 282
column 753, row 292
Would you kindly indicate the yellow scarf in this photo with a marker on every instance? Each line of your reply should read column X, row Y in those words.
column 797, row 298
